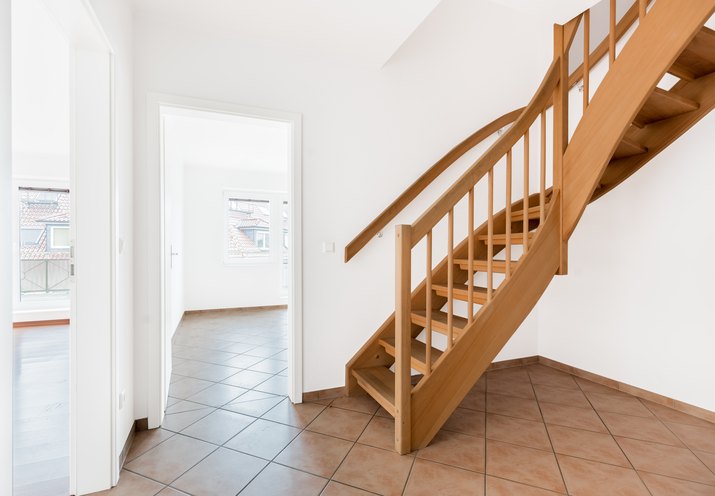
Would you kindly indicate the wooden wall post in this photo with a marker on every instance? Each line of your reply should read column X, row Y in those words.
column 403, row 337
column 561, row 128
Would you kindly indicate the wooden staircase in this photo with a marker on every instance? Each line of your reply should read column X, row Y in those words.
column 445, row 332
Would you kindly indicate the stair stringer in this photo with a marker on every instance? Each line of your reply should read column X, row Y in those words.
column 646, row 57
column 371, row 354
column 437, row 396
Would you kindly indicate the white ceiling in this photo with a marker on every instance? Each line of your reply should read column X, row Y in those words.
column 366, row 30
column 209, row 139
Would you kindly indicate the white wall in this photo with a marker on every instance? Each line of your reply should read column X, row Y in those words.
column 116, row 19
column 367, row 135
column 637, row 303
column 5, row 253
column 210, row 283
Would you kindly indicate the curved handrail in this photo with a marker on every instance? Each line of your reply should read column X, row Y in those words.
column 419, row 185
column 425, row 180
column 539, row 102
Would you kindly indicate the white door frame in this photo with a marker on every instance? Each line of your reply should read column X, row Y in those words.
column 157, row 339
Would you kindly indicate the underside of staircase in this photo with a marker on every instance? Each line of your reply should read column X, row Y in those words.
column 446, row 331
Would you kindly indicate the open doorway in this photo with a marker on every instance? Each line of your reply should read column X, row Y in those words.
column 41, row 251
column 231, row 275
column 63, row 259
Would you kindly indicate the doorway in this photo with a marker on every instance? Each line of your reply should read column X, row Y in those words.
column 230, row 217
column 62, row 229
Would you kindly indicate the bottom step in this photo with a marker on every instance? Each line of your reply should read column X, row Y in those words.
column 379, row 383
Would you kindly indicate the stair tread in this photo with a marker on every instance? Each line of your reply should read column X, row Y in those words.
column 461, row 292
column 698, row 58
column 378, row 382
column 498, row 266
column 662, row 104
column 533, row 213
column 418, row 353
column 500, row 239
column 628, row 148
column 439, row 321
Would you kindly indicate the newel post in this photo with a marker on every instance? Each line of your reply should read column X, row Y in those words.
column 561, row 130
column 403, row 337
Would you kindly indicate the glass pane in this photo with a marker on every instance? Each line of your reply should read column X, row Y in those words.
column 44, row 244
column 248, row 228
column 60, row 238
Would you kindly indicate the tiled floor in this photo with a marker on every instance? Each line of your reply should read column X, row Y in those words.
column 41, row 445
column 521, row 431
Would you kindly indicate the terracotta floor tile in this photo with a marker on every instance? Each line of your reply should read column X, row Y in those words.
column 667, row 486
column 132, row 485
column 429, row 478
column 511, row 388
column 170, row 459
column 697, row 438
column 315, row 453
column 526, row 465
column 508, row 374
column 501, row 487
column 254, row 403
column 587, row 478
column 570, row 397
column 466, row 421
column 247, row 379
column 337, row 422
column 186, row 387
column 277, row 480
column 381, row 412
column 707, row 458
column 571, row 416
column 476, row 399
column 458, row 450
column 263, row 438
column 517, row 431
column 670, row 461
column 146, row 440
column 170, row 491
column 218, row 427
column 275, row 385
column 217, row 395
column 627, row 405
column 593, row 446
column 223, row 473
column 550, row 377
column 337, row 489
column 296, row 415
column 376, row 470
column 177, row 422
column 364, row 404
column 593, row 387
column 643, row 428
column 379, row 433
column 512, row 406
column 669, row 415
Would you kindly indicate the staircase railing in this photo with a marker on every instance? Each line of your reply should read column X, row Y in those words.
column 513, row 145
column 590, row 58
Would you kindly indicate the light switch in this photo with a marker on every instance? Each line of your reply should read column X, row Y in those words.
column 328, row 247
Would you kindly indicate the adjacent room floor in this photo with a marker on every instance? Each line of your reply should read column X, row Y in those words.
column 230, row 429
column 41, row 445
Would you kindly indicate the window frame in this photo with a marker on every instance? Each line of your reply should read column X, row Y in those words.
column 275, row 199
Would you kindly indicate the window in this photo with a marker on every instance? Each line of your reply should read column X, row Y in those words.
column 248, row 228
column 44, row 240
column 59, row 237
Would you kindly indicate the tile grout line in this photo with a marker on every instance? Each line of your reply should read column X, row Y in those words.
column 548, row 435
column 614, row 438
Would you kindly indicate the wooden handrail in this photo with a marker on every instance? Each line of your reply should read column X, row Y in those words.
column 419, row 185
column 425, row 180
column 461, row 187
